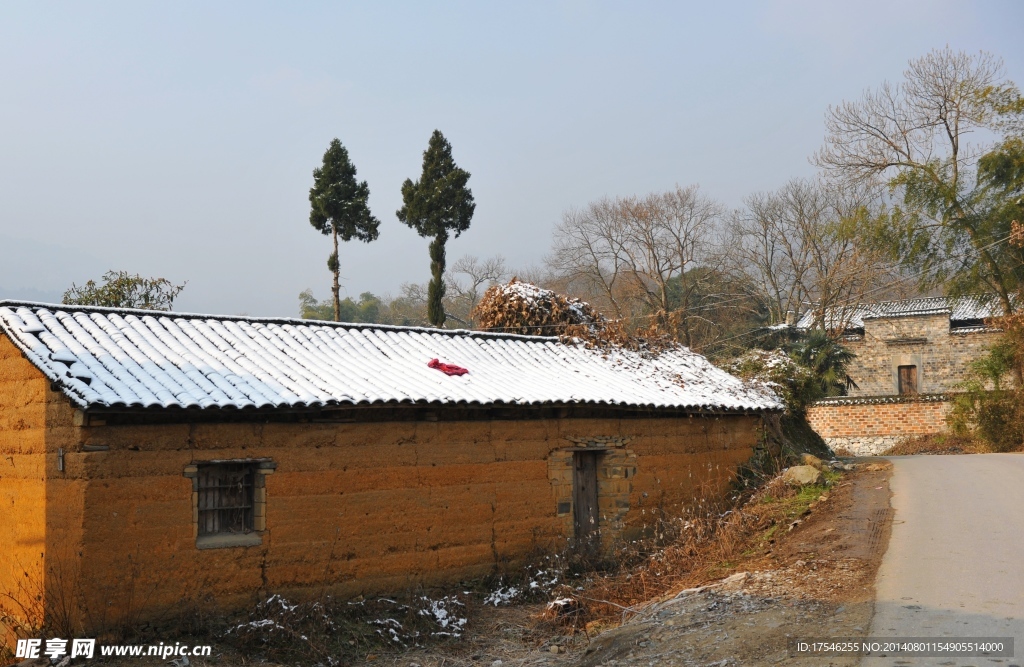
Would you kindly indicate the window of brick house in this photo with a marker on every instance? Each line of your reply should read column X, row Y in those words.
column 229, row 502
column 907, row 380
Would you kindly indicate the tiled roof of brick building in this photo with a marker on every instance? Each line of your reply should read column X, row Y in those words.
column 102, row 357
column 964, row 311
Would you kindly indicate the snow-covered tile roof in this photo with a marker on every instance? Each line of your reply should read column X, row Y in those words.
column 102, row 357
column 968, row 309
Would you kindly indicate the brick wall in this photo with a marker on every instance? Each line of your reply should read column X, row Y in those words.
column 351, row 507
column 879, row 418
column 925, row 341
column 870, row 426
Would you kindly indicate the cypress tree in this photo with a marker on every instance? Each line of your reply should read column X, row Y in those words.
column 338, row 206
column 436, row 206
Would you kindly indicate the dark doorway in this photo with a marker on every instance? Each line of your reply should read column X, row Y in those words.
column 584, row 502
column 908, row 380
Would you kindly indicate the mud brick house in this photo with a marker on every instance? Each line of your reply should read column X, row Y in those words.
column 148, row 459
column 911, row 355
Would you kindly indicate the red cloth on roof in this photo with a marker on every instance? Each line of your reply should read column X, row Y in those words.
column 447, row 369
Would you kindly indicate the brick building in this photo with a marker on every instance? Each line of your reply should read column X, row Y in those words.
column 911, row 355
column 149, row 459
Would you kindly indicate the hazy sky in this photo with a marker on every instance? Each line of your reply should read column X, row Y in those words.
column 178, row 139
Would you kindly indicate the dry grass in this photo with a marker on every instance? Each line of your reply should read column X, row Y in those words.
column 937, row 444
column 328, row 631
column 526, row 309
column 523, row 308
column 707, row 544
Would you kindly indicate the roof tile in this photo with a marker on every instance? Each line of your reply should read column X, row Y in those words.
column 962, row 309
column 129, row 358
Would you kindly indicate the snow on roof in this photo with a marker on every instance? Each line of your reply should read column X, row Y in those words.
column 968, row 309
column 104, row 357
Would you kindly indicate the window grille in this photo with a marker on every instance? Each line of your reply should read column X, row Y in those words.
column 226, row 498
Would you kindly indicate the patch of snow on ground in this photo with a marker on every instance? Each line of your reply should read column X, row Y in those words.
column 503, row 595
column 443, row 613
column 539, row 582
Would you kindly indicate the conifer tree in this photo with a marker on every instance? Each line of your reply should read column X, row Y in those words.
column 338, row 206
column 437, row 205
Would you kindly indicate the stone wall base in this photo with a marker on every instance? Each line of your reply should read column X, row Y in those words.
column 871, row 445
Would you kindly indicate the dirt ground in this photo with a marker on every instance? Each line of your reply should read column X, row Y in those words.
column 816, row 581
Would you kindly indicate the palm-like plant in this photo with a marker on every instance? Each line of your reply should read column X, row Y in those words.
column 827, row 360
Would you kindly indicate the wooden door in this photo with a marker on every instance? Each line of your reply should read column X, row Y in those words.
column 584, row 501
column 908, row 380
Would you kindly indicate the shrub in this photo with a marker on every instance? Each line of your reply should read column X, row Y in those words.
column 990, row 406
column 814, row 369
column 121, row 289
column 779, row 372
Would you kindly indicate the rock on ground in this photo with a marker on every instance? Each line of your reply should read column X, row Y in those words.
column 802, row 476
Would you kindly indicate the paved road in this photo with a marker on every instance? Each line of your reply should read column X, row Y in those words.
column 955, row 563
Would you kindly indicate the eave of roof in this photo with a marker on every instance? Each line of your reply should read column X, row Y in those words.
column 914, row 313
column 959, row 309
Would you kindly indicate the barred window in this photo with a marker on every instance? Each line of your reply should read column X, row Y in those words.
column 229, row 502
column 226, row 498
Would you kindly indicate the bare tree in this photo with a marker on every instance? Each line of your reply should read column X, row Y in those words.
column 541, row 275
column 408, row 309
column 668, row 236
column 642, row 257
column 588, row 253
column 912, row 125
column 923, row 137
column 796, row 244
column 766, row 247
column 466, row 281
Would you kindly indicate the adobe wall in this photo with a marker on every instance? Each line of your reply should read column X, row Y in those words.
column 22, row 482
column 362, row 507
column 37, row 566
column 866, row 427
column 925, row 341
